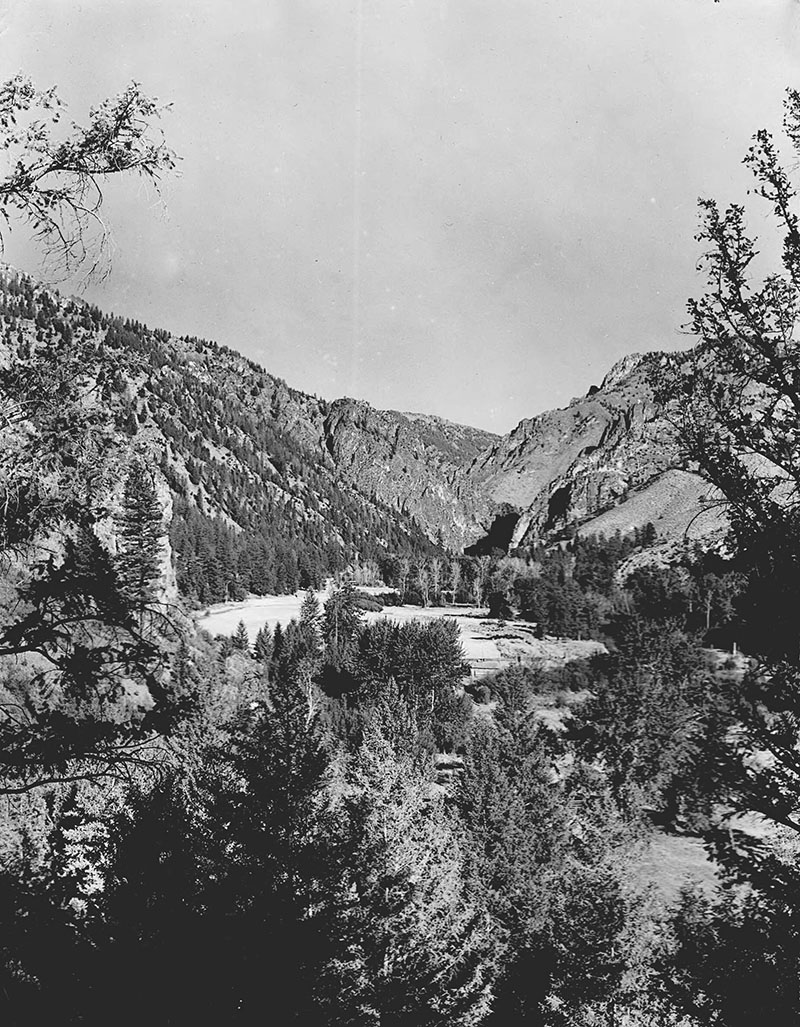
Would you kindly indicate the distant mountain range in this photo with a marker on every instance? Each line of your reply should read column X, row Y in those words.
column 334, row 481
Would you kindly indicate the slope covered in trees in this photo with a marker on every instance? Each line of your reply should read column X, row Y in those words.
column 257, row 503
column 247, row 457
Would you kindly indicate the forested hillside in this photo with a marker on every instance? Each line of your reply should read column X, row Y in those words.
column 257, row 503
column 272, row 489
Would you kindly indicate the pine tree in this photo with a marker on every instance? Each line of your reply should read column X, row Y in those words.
column 240, row 638
column 277, row 644
column 90, row 661
column 311, row 626
column 140, row 531
column 280, row 872
column 340, row 631
column 262, row 647
column 554, row 888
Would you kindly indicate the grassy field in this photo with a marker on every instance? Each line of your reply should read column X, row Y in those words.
column 671, row 862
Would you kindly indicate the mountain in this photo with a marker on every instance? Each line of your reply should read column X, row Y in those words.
column 413, row 462
column 609, row 460
column 257, row 501
column 272, row 488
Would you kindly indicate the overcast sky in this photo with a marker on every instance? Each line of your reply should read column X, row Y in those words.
column 461, row 207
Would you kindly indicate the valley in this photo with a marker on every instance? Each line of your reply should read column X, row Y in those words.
column 343, row 713
column 298, row 648
column 249, row 460
column 488, row 646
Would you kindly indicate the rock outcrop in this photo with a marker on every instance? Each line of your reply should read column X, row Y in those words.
column 569, row 466
column 413, row 463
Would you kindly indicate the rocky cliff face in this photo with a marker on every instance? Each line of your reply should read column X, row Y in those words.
column 568, row 466
column 563, row 467
column 414, row 463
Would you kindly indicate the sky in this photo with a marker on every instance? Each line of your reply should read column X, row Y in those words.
column 457, row 207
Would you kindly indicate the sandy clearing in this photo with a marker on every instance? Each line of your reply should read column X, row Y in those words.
column 255, row 612
column 484, row 641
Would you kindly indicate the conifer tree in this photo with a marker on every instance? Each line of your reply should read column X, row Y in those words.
column 418, row 946
column 342, row 623
column 240, row 638
column 280, row 869
column 311, row 626
column 340, row 631
column 90, row 658
column 262, row 647
column 140, row 531
column 557, row 900
column 277, row 644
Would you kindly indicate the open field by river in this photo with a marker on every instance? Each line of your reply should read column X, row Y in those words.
column 488, row 644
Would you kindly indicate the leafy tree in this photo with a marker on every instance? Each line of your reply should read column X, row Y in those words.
column 403, row 574
column 55, row 184
column 423, row 581
column 436, row 568
column 480, row 576
column 423, row 663
column 737, row 409
column 455, row 578
column 741, row 424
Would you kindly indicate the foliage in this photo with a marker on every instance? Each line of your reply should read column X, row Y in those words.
column 240, row 638
column 422, row 664
column 139, row 526
column 419, row 948
column 553, row 885
column 742, row 426
column 55, row 184
column 94, row 688
column 84, row 391
column 733, row 960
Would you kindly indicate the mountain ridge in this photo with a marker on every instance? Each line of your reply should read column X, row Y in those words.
column 241, row 447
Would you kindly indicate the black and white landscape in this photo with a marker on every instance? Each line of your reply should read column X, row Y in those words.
column 399, row 572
